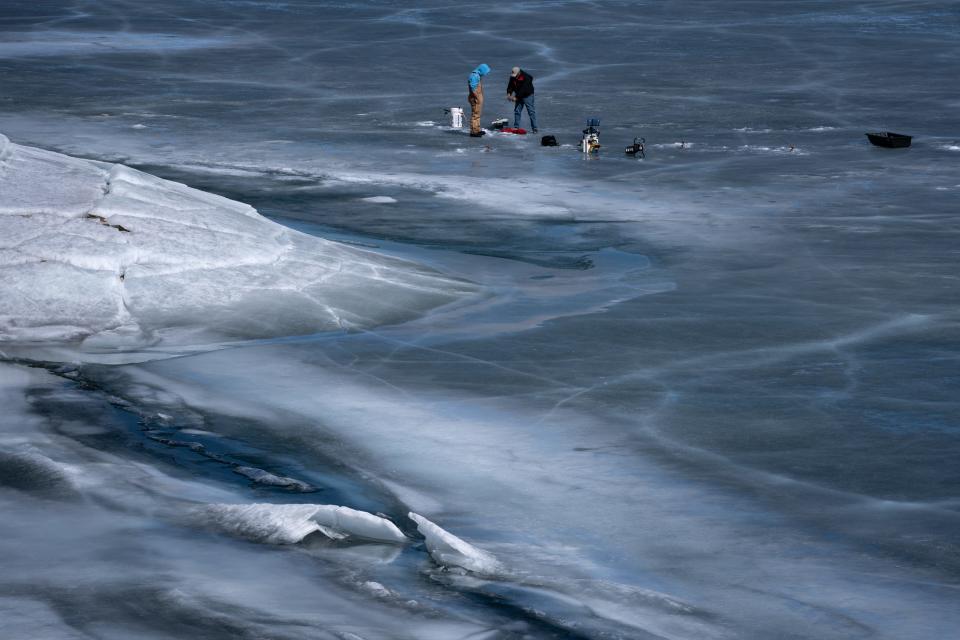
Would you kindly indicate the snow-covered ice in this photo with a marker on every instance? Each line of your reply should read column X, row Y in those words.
column 104, row 252
column 93, row 535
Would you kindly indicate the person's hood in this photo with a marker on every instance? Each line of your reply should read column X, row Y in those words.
column 482, row 70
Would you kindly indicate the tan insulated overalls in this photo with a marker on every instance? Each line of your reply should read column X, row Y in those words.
column 475, row 98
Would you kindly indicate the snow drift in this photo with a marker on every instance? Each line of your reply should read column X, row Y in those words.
column 96, row 249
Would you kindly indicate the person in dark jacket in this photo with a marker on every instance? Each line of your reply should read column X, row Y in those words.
column 520, row 91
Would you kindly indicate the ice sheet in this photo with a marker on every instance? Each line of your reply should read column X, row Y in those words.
column 709, row 393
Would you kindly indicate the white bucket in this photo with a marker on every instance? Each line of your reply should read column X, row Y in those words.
column 456, row 117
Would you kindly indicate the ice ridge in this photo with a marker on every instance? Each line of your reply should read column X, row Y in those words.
column 291, row 523
column 449, row 551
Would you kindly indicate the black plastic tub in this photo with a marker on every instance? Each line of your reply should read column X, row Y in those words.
column 889, row 139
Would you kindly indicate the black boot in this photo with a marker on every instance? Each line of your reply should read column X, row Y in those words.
column 477, row 134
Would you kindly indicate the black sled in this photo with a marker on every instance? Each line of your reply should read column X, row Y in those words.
column 889, row 140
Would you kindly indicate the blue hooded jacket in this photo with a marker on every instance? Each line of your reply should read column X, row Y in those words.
column 476, row 74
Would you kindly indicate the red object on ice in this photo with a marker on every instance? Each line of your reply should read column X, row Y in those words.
column 519, row 132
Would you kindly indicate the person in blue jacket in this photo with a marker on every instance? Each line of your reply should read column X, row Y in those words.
column 475, row 98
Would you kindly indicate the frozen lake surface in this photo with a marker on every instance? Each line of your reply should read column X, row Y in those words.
column 712, row 393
